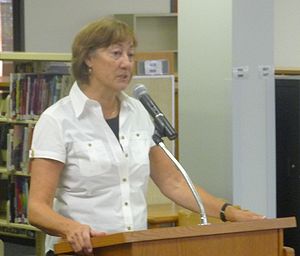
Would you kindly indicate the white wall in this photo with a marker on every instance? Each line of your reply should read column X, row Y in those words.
column 254, row 170
column 204, row 49
column 227, row 125
column 286, row 33
column 50, row 25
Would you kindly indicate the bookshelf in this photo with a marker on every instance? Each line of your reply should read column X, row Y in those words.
column 155, row 32
column 35, row 56
column 11, row 224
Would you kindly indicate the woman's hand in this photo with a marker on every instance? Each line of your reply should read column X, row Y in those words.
column 235, row 214
column 79, row 236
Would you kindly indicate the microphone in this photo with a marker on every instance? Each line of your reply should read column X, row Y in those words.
column 162, row 124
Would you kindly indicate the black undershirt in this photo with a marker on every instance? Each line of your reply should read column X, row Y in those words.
column 114, row 125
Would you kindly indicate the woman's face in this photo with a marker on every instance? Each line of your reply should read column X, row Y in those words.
column 112, row 66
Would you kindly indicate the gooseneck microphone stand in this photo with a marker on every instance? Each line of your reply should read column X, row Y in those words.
column 157, row 138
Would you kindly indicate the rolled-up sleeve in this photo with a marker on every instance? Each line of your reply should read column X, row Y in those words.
column 47, row 140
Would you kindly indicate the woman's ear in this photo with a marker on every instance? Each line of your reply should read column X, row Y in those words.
column 88, row 62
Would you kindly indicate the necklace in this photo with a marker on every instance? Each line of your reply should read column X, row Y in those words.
column 114, row 113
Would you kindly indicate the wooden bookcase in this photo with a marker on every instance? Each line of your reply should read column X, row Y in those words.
column 7, row 227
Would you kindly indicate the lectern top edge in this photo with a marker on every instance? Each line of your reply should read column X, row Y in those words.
column 183, row 231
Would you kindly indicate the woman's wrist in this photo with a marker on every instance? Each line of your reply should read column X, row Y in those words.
column 223, row 213
column 234, row 213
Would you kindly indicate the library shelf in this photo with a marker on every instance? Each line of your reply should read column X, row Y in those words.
column 14, row 176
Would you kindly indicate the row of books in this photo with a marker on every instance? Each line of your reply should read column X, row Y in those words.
column 19, row 139
column 14, row 190
column 31, row 94
column 15, row 141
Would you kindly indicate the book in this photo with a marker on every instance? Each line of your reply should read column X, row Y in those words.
column 21, row 199
column 4, row 130
column 12, row 203
column 17, row 146
column 9, row 165
column 28, row 132
column 31, row 94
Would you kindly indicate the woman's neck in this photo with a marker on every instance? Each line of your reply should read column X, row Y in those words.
column 108, row 99
column 111, row 109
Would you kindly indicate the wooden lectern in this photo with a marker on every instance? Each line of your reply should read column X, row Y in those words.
column 253, row 238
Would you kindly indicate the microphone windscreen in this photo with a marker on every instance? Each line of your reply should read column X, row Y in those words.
column 139, row 90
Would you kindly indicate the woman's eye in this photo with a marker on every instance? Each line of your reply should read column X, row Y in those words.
column 130, row 56
column 116, row 54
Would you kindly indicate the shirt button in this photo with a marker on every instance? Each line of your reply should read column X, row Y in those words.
column 122, row 137
column 128, row 228
column 124, row 179
column 137, row 134
column 90, row 144
column 126, row 155
column 126, row 203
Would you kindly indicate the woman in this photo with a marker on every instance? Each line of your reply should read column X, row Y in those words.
column 92, row 151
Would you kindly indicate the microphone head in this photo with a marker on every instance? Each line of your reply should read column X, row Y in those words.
column 139, row 90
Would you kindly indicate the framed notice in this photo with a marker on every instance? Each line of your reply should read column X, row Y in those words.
column 153, row 67
column 162, row 91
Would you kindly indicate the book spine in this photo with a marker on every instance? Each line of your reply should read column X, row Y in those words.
column 25, row 150
column 12, row 200
column 12, row 92
column 9, row 165
column 28, row 91
column 18, row 133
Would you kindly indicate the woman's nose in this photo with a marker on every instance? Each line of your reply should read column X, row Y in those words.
column 126, row 60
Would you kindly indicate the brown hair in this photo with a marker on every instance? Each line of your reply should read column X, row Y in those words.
column 98, row 34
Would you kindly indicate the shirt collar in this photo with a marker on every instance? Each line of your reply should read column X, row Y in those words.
column 79, row 100
column 125, row 100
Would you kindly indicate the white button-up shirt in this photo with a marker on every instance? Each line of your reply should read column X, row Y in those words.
column 104, row 180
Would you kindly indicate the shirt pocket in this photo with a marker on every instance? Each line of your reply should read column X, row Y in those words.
column 93, row 158
column 139, row 143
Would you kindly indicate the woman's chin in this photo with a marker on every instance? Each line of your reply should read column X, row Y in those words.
column 122, row 86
